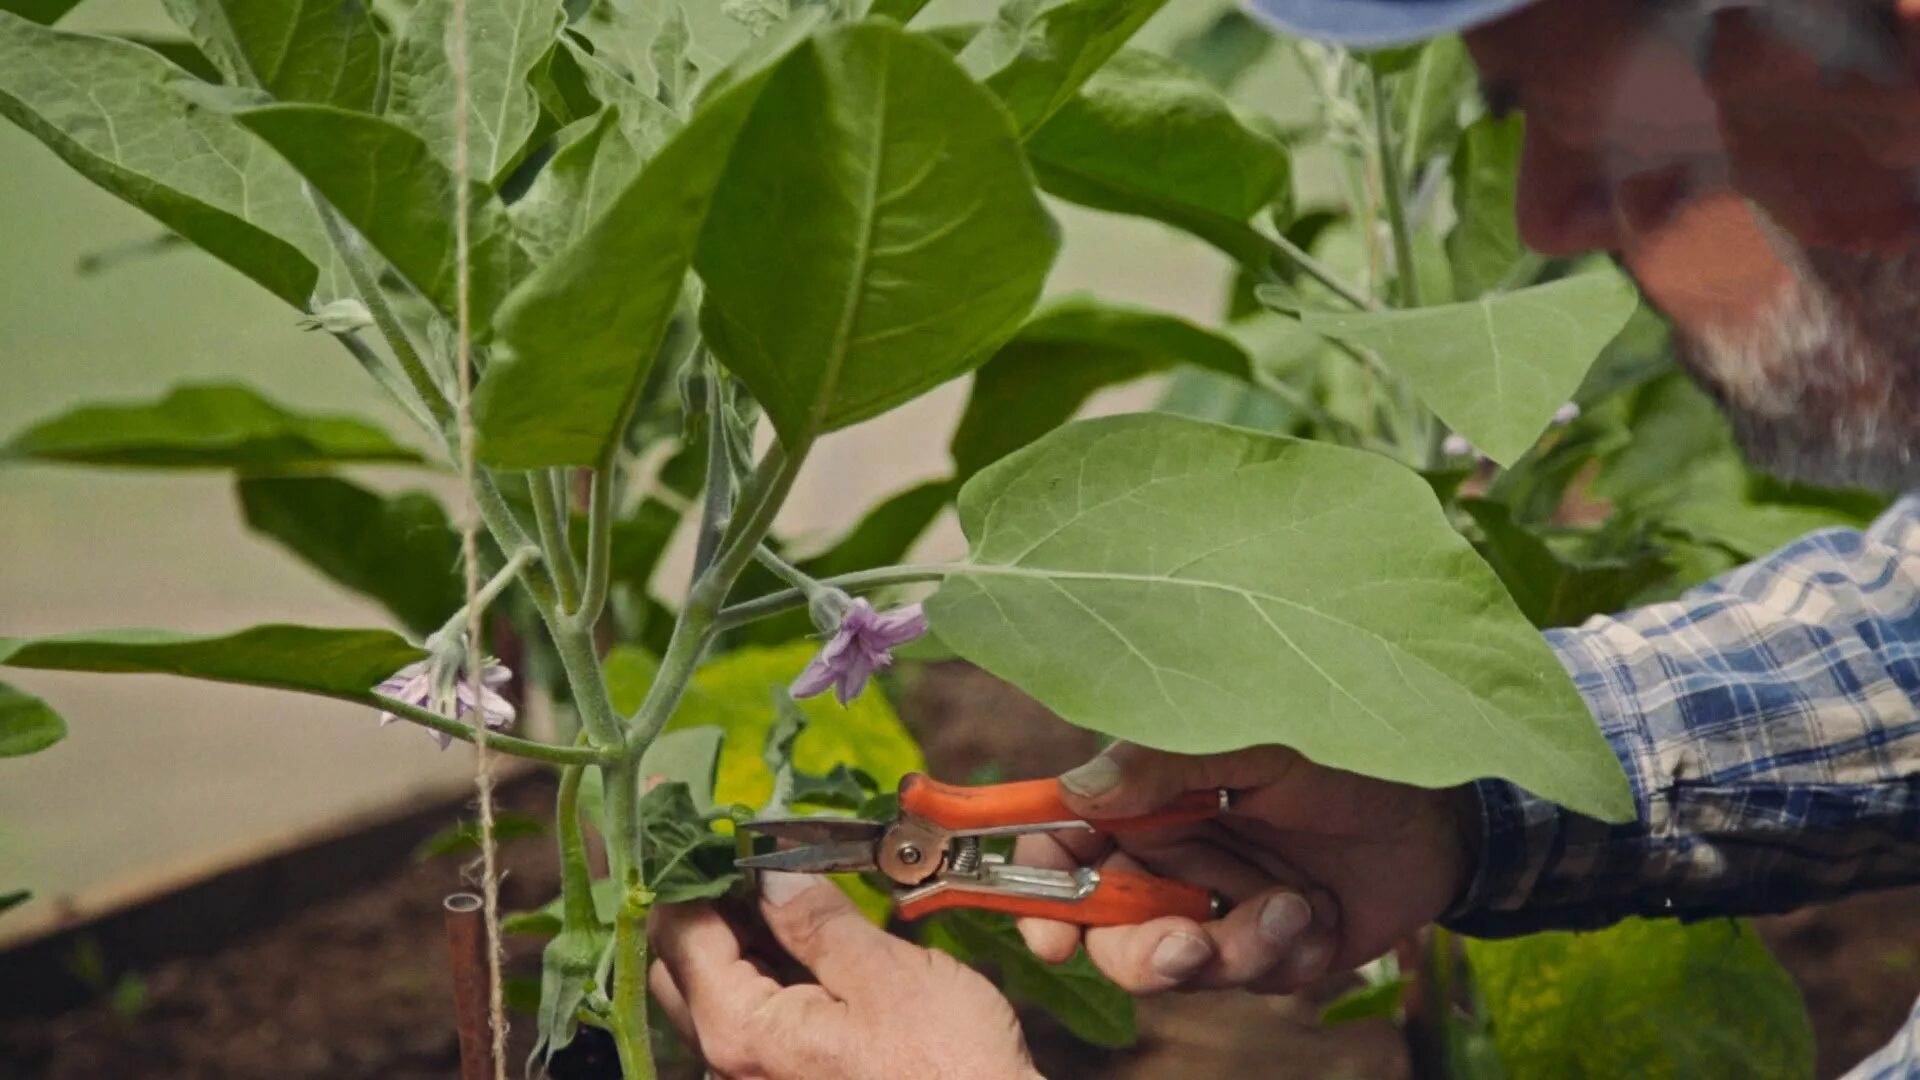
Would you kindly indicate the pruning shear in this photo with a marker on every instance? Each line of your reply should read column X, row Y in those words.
column 932, row 853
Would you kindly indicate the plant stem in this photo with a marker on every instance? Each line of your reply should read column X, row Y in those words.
column 1317, row 270
column 785, row 570
column 491, row 590
column 507, row 744
column 629, row 1017
column 576, row 880
column 508, row 533
column 717, row 506
column 1406, row 279
column 553, row 537
column 761, row 607
column 370, row 361
column 593, row 597
column 366, row 282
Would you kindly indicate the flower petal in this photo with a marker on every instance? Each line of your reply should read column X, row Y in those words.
column 815, row 679
column 853, row 679
column 891, row 629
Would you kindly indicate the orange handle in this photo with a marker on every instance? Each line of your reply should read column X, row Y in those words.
column 1120, row 899
column 1032, row 802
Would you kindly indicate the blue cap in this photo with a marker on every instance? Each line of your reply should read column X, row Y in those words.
column 1371, row 24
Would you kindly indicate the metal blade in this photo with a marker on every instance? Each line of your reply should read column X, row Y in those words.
column 846, row 857
column 818, row 830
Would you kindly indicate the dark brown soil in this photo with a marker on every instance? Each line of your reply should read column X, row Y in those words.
column 358, row 987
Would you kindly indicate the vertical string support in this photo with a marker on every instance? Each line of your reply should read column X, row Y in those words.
column 470, row 528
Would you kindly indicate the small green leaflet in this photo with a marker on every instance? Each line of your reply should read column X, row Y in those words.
column 1224, row 50
column 1554, row 589
column 333, row 663
column 326, row 52
column 215, row 426
column 1201, row 588
column 463, row 837
column 399, row 550
column 685, row 859
column 1699, row 1001
column 27, row 724
column 1496, row 368
column 507, row 40
column 192, row 168
column 844, row 788
column 1037, row 53
column 1075, row 992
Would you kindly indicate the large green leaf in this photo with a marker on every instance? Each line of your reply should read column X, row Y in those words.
column 334, row 663
column 593, row 165
column 1037, row 381
column 204, row 427
column 1485, row 242
column 1495, row 369
column 388, row 183
column 322, row 51
column 1075, row 992
column 27, row 724
column 578, row 337
column 1148, row 137
column 192, row 168
column 1037, row 53
column 1551, row 588
column 399, row 550
column 1701, row 1002
column 1202, row 588
column 911, row 240
column 506, row 41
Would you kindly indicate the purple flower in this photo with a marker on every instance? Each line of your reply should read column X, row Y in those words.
column 862, row 645
column 418, row 684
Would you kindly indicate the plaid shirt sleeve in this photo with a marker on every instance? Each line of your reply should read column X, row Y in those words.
column 1768, row 724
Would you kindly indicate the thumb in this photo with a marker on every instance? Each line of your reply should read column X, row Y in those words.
column 1127, row 779
column 821, row 928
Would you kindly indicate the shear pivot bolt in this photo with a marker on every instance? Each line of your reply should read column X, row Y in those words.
column 909, row 854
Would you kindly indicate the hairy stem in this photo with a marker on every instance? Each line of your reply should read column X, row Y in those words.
column 717, row 505
column 530, row 749
column 576, row 878
column 629, row 973
column 1393, row 192
column 549, row 519
column 761, row 607
column 366, row 282
column 370, row 361
column 491, row 590
column 593, row 596
column 1286, row 249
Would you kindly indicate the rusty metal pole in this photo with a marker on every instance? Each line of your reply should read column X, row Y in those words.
column 467, row 952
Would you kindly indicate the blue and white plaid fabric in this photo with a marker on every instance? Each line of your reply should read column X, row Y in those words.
column 1769, row 721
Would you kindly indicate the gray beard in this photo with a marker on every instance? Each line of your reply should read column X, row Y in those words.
column 1824, row 386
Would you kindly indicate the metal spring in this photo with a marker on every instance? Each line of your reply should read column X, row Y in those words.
column 965, row 858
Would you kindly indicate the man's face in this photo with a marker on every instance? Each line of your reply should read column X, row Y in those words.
column 1770, row 210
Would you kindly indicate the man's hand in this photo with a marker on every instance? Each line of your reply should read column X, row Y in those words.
column 882, row 1007
column 1324, row 869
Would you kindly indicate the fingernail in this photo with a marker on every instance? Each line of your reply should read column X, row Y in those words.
column 778, row 888
column 1309, row 962
column 1179, row 956
column 1095, row 778
column 1283, row 918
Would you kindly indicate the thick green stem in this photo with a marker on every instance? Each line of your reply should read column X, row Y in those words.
column 576, row 877
column 629, row 977
column 717, row 503
column 593, row 597
column 1318, row 271
column 1406, row 278
column 506, row 744
column 370, row 361
column 761, row 607
column 366, row 282
column 626, row 833
column 551, row 522
column 491, row 590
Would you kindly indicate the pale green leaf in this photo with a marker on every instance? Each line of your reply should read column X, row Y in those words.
column 900, row 11
column 387, row 182
column 646, row 121
column 1485, row 242
column 506, row 41
column 578, row 337
column 1075, row 992
column 216, row 426
column 1495, row 369
column 593, row 165
column 399, row 550
column 110, row 109
column 1704, row 1001
column 1426, row 103
column 326, row 52
column 27, row 724
column 334, row 663
column 1036, row 54
column 1148, row 137
column 911, row 240
column 1201, row 588
column 1225, row 49
column 690, row 756
column 1037, row 381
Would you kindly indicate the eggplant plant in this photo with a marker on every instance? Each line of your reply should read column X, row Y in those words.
column 694, row 247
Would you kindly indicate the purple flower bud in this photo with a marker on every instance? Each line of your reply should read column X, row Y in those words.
column 862, row 645
column 415, row 685
column 1566, row 414
column 1456, row 445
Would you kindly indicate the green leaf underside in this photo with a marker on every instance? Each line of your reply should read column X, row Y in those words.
column 1148, row 137
column 344, row 664
column 1485, row 242
column 27, row 724
column 322, row 51
column 109, row 109
column 1057, row 361
column 911, row 241
column 578, row 337
column 1226, row 49
column 1496, row 368
column 690, row 756
column 1037, row 55
column 685, row 859
column 507, row 39
column 1075, row 992
column 1201, row 588
column 399, row 550
column 387, row 182
column 591, row 168
column 204, row 427
column 1701, row 1001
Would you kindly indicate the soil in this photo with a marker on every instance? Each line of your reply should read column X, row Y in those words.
column 358, row 987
